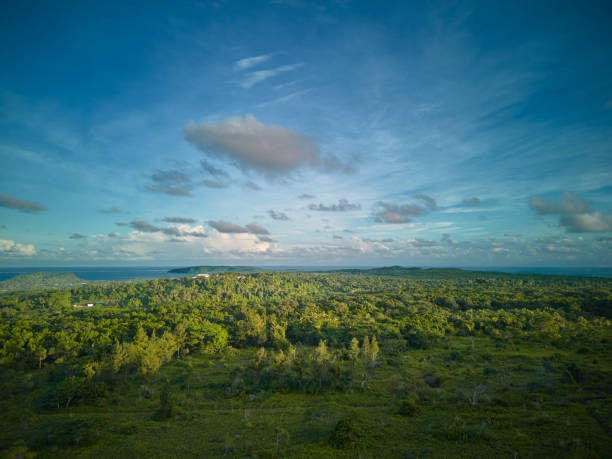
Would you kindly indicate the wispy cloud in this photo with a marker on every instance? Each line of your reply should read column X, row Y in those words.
column 214, row 184
column 283, row 99
column 430, row 202
column 77, row 236
column 110, row 210
column 253, row 78
column 473, row 201
column 249, row 62
column 252, row 185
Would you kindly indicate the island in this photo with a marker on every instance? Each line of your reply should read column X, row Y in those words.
column 216, row 270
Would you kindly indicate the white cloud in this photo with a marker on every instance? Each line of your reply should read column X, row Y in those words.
column 12, row 249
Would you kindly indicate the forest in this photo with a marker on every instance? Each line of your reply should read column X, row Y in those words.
column 388, row 362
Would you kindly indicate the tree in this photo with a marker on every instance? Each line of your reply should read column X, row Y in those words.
column 260, row 356
column 252, row 329
column 374, row 350
column 365, row 348
column 354, row 351
column 68, row 389
column 41, row 354
column 321, row 364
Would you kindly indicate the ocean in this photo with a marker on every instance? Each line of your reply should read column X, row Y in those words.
column 153, row 272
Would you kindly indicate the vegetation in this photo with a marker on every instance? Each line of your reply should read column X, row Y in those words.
column 216, row 270
column 378, row 363
column 41, row 281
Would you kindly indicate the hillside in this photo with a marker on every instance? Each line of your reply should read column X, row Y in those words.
column 216, row 270
column 41, row 281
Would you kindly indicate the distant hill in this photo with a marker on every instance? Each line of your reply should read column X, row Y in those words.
column 442, row 273
column 41, row 281
column 216, row 270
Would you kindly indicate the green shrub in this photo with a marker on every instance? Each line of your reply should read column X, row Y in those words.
column 409, row 408
column 166, row 406
column 576, row 373
column 345, row 434
column 431, row 380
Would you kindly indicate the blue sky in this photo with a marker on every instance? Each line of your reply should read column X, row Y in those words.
column 306, row 133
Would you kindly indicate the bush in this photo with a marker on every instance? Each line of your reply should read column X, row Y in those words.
column 421, row 339
column 431, row 380
column 345, row 434
column 409, row 408
column 166, row 406
column 576, row 373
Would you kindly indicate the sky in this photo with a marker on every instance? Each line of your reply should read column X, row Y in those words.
column 295, row 132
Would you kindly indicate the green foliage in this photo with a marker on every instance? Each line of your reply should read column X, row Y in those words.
column 345, row 434
column 409, row 408
column 43, row 281
column 271, row 361
column 166, row 405
column 215, row 270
